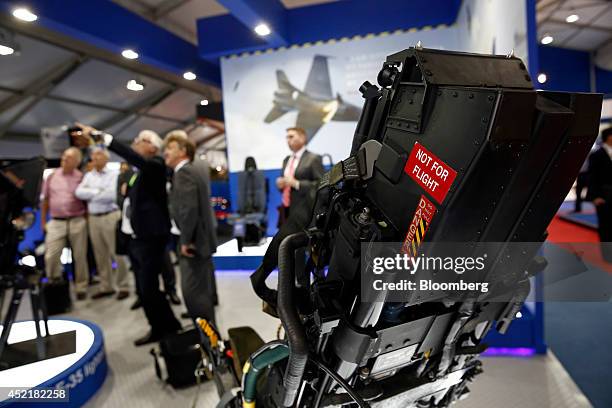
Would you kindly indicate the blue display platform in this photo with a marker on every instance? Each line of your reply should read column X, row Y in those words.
column 81, row 373
column 227, row 256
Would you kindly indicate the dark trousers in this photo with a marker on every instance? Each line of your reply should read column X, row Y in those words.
column 604, row 221
column 148, row 255
column 197, row 285
column 581, row 183
column 168, row 273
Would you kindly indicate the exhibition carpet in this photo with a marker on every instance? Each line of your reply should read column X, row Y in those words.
column 564, row 233
column 586, row 218
column 579, row 333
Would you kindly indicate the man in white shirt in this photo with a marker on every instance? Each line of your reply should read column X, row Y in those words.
column 99, row 189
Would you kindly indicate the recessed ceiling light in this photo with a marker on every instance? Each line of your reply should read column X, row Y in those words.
column 190, row 76
column 572, row 18
column 547, row 39
column 204, row 102
column 542, row 78
column 129, row 54
column 263, row 30
column 6, row 50
column 134, row 85
column 24, row 14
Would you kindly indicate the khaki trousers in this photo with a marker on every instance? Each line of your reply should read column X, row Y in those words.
column 102, row 232
column 75, row 230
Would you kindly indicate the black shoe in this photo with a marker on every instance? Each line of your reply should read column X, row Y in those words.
column 148, row 338
column 122, row 294
column 136, row 305
column 103, row 294
column 174, row 299
column 81, row 296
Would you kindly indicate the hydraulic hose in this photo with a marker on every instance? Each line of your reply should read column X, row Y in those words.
column 253, row 368
column 287, row 310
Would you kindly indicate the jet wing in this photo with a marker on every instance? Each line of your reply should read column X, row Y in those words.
column 275, row 113
column 311, row 122
column 318, row 84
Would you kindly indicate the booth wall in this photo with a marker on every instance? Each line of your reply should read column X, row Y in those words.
column 249, row 82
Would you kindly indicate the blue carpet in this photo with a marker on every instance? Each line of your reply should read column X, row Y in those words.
column 586, row 218
column 580, row 335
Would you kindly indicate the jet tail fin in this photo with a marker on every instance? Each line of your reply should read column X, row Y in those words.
column 283, row 81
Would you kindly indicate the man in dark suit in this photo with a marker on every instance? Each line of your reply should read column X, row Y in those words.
column 150, row 222
column 600, row 191
column 299, row 190
column 190, row 210
column 301, row 173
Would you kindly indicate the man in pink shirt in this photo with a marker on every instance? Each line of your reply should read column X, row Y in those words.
column 67, row 221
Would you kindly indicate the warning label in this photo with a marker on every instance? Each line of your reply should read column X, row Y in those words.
column 431, row 173
column 418, row 227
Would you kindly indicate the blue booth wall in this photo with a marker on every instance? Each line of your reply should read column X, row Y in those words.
column 570, row 70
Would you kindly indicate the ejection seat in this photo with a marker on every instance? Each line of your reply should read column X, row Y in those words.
column 251, row 221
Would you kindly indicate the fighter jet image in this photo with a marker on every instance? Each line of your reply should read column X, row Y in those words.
column 316, row 104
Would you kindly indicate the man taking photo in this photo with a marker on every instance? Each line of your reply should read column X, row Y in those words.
column 150, row 221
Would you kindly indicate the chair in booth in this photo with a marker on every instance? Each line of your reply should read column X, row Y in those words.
column 251, row 221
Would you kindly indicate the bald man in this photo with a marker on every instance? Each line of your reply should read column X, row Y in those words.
column 98, row 189
column 67, row 224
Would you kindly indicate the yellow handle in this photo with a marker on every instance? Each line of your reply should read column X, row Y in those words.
column 209, row 331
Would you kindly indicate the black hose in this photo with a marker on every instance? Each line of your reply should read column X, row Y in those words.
column 287, row 311
column 356, row 397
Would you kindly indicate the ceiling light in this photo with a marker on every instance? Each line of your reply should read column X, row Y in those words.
column 542, row 78
column 263, row 29
column 190, row 76
column 572, row 18
column 24, row 14
column 129, row 54
column 204, row 102
column 8, row 45
column 134, row 85
column 547, row 39
column 6, row 50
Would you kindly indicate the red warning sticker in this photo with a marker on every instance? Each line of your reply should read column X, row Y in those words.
column 431, row 173
column 421, row 221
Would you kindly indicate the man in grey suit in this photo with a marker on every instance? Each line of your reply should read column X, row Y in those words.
column 301, row 173
column 189, row 203
column 203, row 168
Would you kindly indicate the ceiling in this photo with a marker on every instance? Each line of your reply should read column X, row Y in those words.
column 179, row 16
column 45, row 85
column 592, row 31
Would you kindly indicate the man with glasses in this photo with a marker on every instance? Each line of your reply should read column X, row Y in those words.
column 149, row 220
